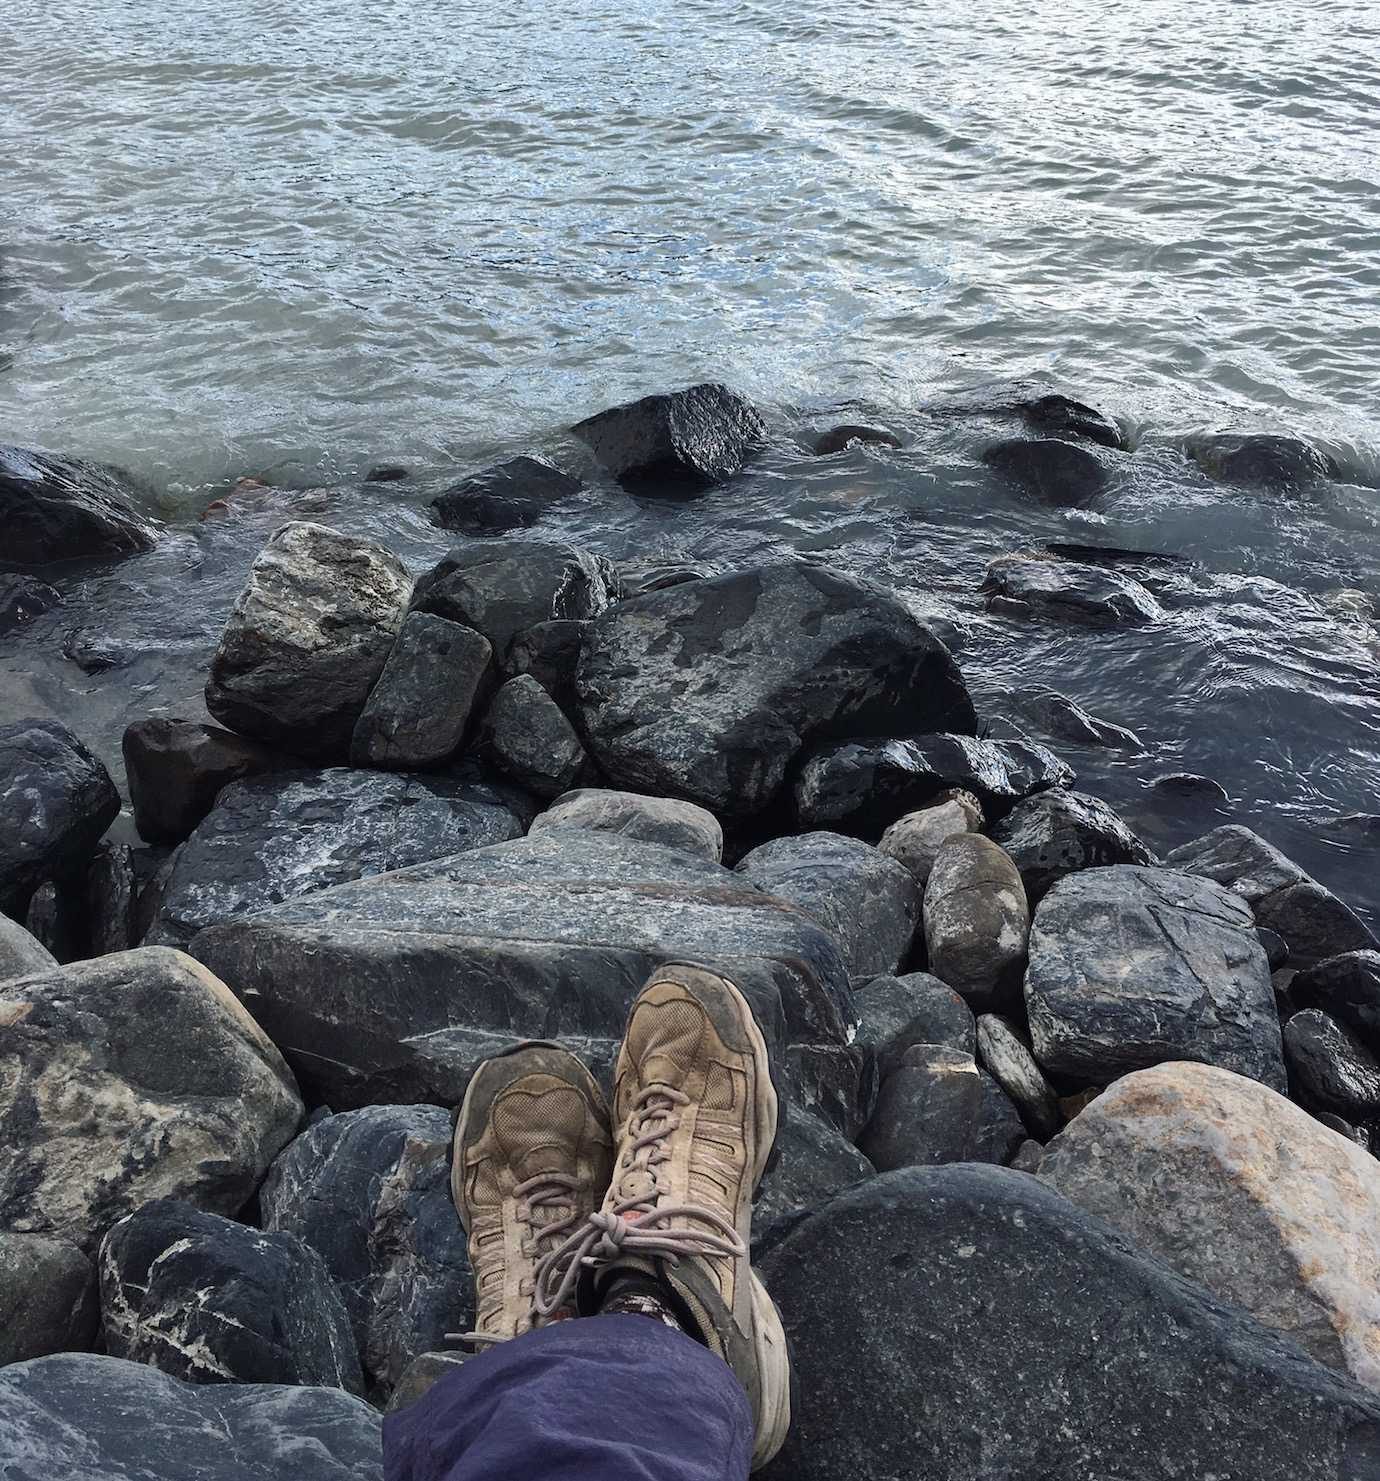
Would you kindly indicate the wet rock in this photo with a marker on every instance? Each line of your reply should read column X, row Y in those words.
column 976, row 921
column 111, row 892
column 1057, row 833
column 1235, row 1188
column 22, row 598
column 914, row 840
column 637, row 577
column 87, row 1418
column 501, row 589
column 550, row 652
column 417, row 714
column 928, row 1111
column 276, row 837
column 1347, row 988
column 863, row 786
column 527, row 737
column 1189, row 787
column 1313, row 922
column 205, row 1299
column 1007, row 1058
column 677, row 443
column 896, row 1013
column 386, row 473
column 509, row 496
column 21, row 953
column 1060, row 717
column 1063, row 590
column 1061, row 416
column 47, row 1297
column 1131, row 966
column 194, row 1101
column 1272, row 461
column 663, row 820
column 850, row 435
column 393, row 988
column 1330, row 1069
column 816, row 1162
column 307, row 639
column 1000, row 1133
column 1058, row 472
column 710, row 690
column 56, row 800
column 62, row 509
column 369, row 1191
column 869, row 904
column 1000, row 1278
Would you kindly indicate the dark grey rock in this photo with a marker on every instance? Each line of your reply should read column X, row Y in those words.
column 386, row 473
column 1275, row 462
column 508, row 496
column 1008, row 1060
column 1314, row 923
column 526, row 737
column 977, row 921
column 20, row 952
column 1130, row 967
column 205, row 1299
column 369, row 1191
column 550, row 652
column 864, row 786
column 62, row 509
column 276, row 837
column 1330, row 1069
column 128, row 1078
column 307, row 639
column 929, row 1110
column 1060, row 473
column 176, row 770
column 22, row 598
column 1059, row 832
column 1347, row 988
column 710, row 690
column 86, row 1418
column 47, row 1298
column 392, row 988
column 836, row 1082
column 850, row 434
column 1061, row 718
column 1028, row 1157
column 677, row 443
column 112, row 900
column 56, row 800
column 815, row 1162
column 1000, row 1133
column 417, row 714
column 898, row 1012
column 1275, row 947
column 1187, row 787
column 1039, row 587
column 663, row 820
column 638, row 577
column 1061, row 416
column 423, row 1373
column 501, row 588
column 919, row 1305
column 1352, row 1133
column 869, row 904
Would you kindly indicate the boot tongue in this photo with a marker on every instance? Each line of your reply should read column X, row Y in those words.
column 540, row 1134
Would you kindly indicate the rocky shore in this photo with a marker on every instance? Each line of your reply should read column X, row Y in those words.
column 1078, row 1176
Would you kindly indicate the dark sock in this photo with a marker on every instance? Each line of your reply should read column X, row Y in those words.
column 636, row 1294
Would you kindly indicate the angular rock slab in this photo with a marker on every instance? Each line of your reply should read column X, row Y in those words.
column 929, row 1110
column 1069, row 591
column 1131, row 966
column 710, row 689
column 663, row 820
column 1236, row 1188
column 369, row 1191
column 897, row 1012
column 47, row 1297
column 392, row 988
column 62, row 509
column 965, row 1323
column 127, row 1078
column 276, row 837
column 85, row 1418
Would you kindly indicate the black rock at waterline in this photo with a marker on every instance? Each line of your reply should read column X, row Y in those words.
column 965, row 1322
column 1060, row 473
column 62, row 509
column 1347, row 988
column 1275, row 462
column 850, row 435
column 22, row 598
column 1059, row 832
column 1061, row 416
column 508, row 496
column 1033, row 586
column 675, row 444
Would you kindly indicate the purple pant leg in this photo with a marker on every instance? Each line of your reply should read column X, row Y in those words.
column 606, row 1398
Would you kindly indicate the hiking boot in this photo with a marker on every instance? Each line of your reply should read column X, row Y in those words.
column 530, row 1163
column 696, row 1113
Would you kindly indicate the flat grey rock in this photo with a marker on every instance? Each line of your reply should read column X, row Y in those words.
column 663, row 820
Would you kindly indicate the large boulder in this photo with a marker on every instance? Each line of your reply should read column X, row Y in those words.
column 508, row 496
column 1234, row 1187
column 1058, row 832
column 62, row 509
column 663, row 820
column 527, row 737
column 1347, row 988
column 864, row 786
column 711, row 689
column 1132, row 966
column 676, row 443
column 56, row 800
column 132, row 1077
column 1036, row 586
column 977, row 921
column 200, row 1297
column 307, row 639
column 369, row 1191
column 869, row 904
column 20, row 952
column 85, row 1418
column 392, row 988
column 276, row 837
column 966, row 1323
column 47, row 1297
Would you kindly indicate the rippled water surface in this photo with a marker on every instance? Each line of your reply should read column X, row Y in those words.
column 295, row 240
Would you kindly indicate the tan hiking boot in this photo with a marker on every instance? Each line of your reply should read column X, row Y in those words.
column 696, row 1113
column 530, row 1162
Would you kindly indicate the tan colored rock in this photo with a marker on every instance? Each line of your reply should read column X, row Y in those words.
column 916, row 839
column 1238, row 1189
column 977, row 921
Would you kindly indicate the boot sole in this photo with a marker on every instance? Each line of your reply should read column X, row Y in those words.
column 776, row 1370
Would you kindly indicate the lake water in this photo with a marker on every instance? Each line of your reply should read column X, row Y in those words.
column 294, row 241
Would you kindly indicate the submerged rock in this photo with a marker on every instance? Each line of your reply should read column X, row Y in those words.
column 1059, row 716
column 977, row 921
column 22, row 598
column 710, row 690
column 1252, row 457
column 1061, row 589
column 307, row 639
column 671, row 444
column 663, row 820
column 47, row 1297
column 1057, row 833
column 62, row 509
column 508, row 496
column 1061, row 416
column 1057, row 472
column 1331, row 1070
column 914, row 840
column 850, row 434
column 527, row 737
